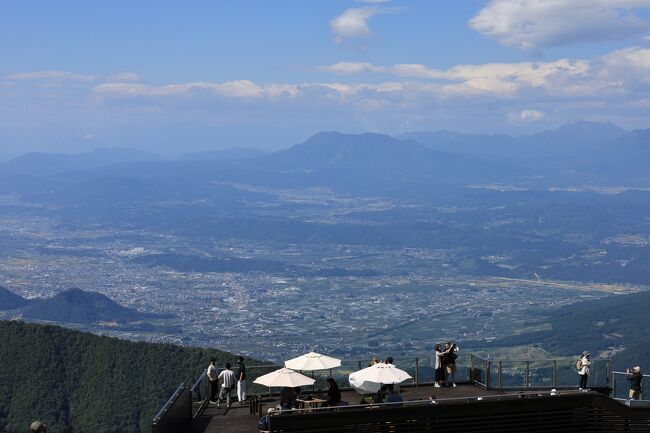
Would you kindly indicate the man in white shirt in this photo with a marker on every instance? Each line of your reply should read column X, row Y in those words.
column 228, row 381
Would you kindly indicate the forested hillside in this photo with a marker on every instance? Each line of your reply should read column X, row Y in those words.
column 79, row 382
column 616, row 322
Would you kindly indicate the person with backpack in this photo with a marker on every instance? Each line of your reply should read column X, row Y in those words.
column 582, row 365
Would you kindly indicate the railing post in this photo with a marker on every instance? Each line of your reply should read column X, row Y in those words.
column 359, row 364
column 487, row 374
column 500, row 374
column 554, row 378
column 417, row 371
column 472, row 376
column 527, row 379
column 608, row 372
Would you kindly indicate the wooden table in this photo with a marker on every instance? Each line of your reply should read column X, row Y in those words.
column 310, row 404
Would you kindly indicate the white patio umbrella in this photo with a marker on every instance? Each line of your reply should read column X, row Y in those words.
column 312, row 361
column 370, row 379
column 284, row 377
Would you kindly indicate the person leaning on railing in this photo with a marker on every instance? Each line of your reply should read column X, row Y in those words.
column 635, row 377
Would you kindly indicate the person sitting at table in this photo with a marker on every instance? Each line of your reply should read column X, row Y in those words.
column 380, row 396
column 393, row 395
column 296, row 393
column 333, row 392
column 287, row 398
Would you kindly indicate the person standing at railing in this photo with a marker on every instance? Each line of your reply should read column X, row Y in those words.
column 213, row 378
column 241, row 380
column 438, row 367
column 583, row 371
column 228, row 381
column 636, row 378
column 449, row 360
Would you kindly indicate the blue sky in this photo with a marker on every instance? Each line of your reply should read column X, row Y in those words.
column 178, row 76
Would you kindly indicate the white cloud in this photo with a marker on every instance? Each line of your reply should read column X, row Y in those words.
column 49, row 76
column 533, row 24
column 123, row 76
column 353, row 22
column 351, row 68
column 527, row 115
column 490, row 78
column 243, row 89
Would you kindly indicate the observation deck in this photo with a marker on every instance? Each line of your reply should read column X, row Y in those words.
column 491, row 396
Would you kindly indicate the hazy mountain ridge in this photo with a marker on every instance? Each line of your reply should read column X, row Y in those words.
column 72, row 306
column 44, row 164
column 10, row 301
column 232, row 154
column 567, row 138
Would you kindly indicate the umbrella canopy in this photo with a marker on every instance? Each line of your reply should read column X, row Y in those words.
column 312, row 361
column 284, row 377
column 369, row 379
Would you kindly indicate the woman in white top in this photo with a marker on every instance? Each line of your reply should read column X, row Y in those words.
column 439, row 369
column 584, row 370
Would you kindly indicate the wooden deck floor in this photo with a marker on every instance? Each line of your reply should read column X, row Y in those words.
column 239, row 420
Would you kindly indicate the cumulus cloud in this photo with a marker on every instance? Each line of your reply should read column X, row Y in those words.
column 534, row 24
column 353, row 22
column 49, row 76
column 490, row 78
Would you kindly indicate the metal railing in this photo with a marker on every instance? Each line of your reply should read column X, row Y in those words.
column 559, row 373
column 501, row 374
column 176, row 413
column 567, row 412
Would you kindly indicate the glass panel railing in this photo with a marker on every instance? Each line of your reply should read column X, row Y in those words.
column 540, row 374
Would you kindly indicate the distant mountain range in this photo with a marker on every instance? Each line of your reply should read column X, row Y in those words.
column 45, row 164
column 72, row 306
column 232, row 154
column 576, row 153
column 578, row 136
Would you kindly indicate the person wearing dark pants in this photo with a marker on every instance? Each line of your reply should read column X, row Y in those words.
column 583, row 371
column 213, row 378
column 635, row 377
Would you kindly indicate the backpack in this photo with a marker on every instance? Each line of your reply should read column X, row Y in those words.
column 579, row 364
column 263, row 423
